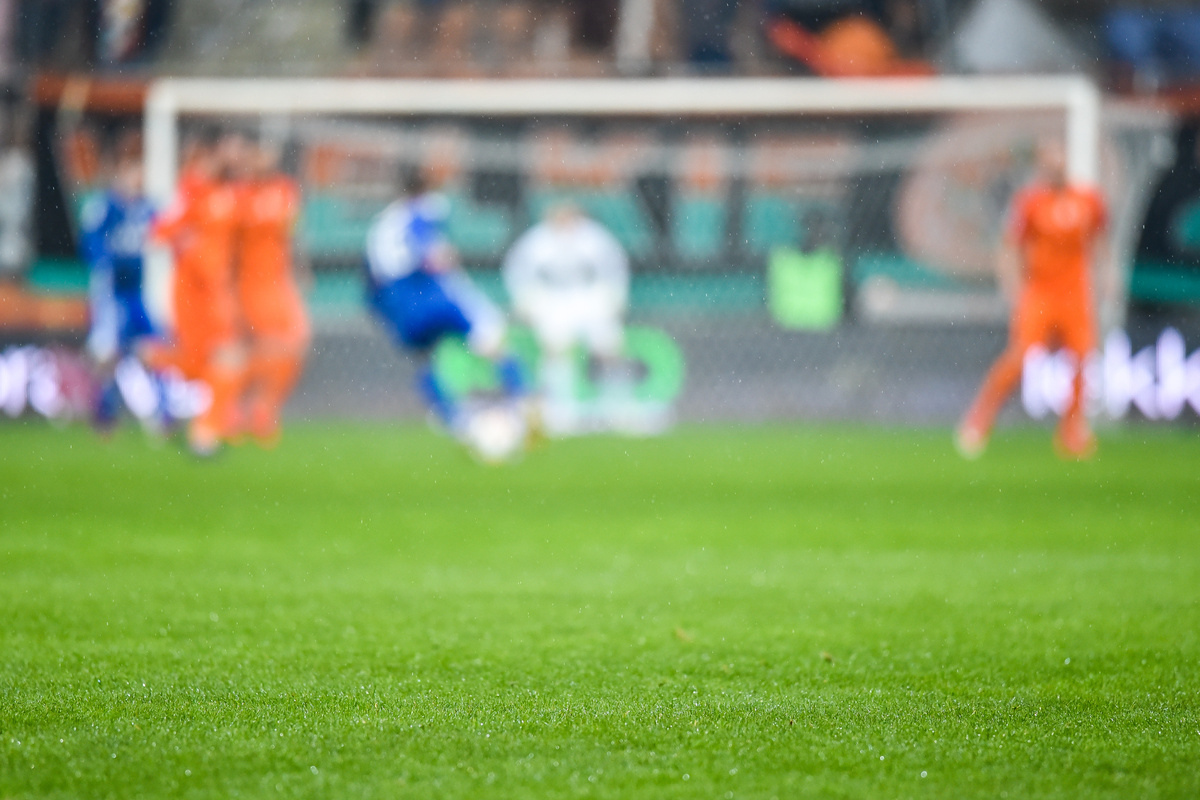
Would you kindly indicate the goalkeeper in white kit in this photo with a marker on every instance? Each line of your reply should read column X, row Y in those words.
column 568, row 279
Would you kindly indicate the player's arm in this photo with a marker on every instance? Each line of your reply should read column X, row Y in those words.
column 389, row 256
column 170, row 223
column 440, row 256
column 518, row 271
column 426, row 235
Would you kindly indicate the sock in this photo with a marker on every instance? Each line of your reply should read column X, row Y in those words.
column 163, row 410
column 512, row 377
column 1000, row 382
column 437, row 397
column 108, row 404
column 274, row 377
column 1073, row 429
column 225, row 377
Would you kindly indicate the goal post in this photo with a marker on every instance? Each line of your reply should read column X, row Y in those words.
column 801, row 239
column 1076, row 97
column 844, row 136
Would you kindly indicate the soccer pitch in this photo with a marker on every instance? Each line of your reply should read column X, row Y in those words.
column 724, row 612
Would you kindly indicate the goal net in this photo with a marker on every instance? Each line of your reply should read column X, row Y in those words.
column 813, row 248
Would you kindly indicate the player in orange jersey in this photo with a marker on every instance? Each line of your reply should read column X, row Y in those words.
column 276, row 321
column 199, row 227
column 1056, row 232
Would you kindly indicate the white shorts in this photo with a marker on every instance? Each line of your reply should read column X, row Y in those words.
column 563, row 321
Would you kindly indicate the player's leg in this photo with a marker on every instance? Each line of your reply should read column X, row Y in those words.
column 275, row 366
column 106, row 406
column 604, row 337
column 557, row 376
column 486, row 329
column 1074, row 437
column 185, row 350
column 437, row 397
column 130, row 325
column 416, row 314
column 189, row 356
column 103, row 345
column 138, row 330
column 212, row 338
column 225, row 373
column 1028, row 328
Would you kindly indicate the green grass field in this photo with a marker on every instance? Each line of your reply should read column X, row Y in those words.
column 722, row 613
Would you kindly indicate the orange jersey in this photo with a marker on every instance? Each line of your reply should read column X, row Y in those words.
column 1055, row 230
column 267, row 289
column 171, row 225
column 199, row 226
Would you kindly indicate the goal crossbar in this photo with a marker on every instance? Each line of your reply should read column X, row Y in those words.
column 1076, row 97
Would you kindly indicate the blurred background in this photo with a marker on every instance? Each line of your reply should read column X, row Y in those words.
column 804, row 266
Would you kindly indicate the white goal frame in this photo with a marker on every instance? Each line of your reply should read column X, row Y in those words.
column 1076, row 97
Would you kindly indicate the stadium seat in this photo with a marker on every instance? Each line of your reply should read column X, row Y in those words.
column 902, row 271
column 478, row 231
column 1186, row 230
column 771, row 220
column 331, row 227
column 698, row 227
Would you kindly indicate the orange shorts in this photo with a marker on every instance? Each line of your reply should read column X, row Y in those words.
column 189, row 354
column 204, row 321
column 1054, row 318
column 278, row 315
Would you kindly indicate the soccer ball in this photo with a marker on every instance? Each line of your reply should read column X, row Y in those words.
column 496, row 434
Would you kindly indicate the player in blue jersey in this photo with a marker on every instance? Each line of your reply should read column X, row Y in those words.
column 113, row 231
column 421, row 295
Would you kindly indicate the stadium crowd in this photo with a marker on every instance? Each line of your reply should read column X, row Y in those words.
column 1135, row 43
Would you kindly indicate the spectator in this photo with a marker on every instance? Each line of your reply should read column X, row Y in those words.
column 707, row 25
column 360, row 20
column 1159, row 46
column 39, row 25
column 594, row 23
column 156, row 25
column 8, row 18
column 633, row 38
column 845, row 38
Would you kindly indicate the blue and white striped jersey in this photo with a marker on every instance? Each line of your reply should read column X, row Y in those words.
column 406, row 237
column 113, row 232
